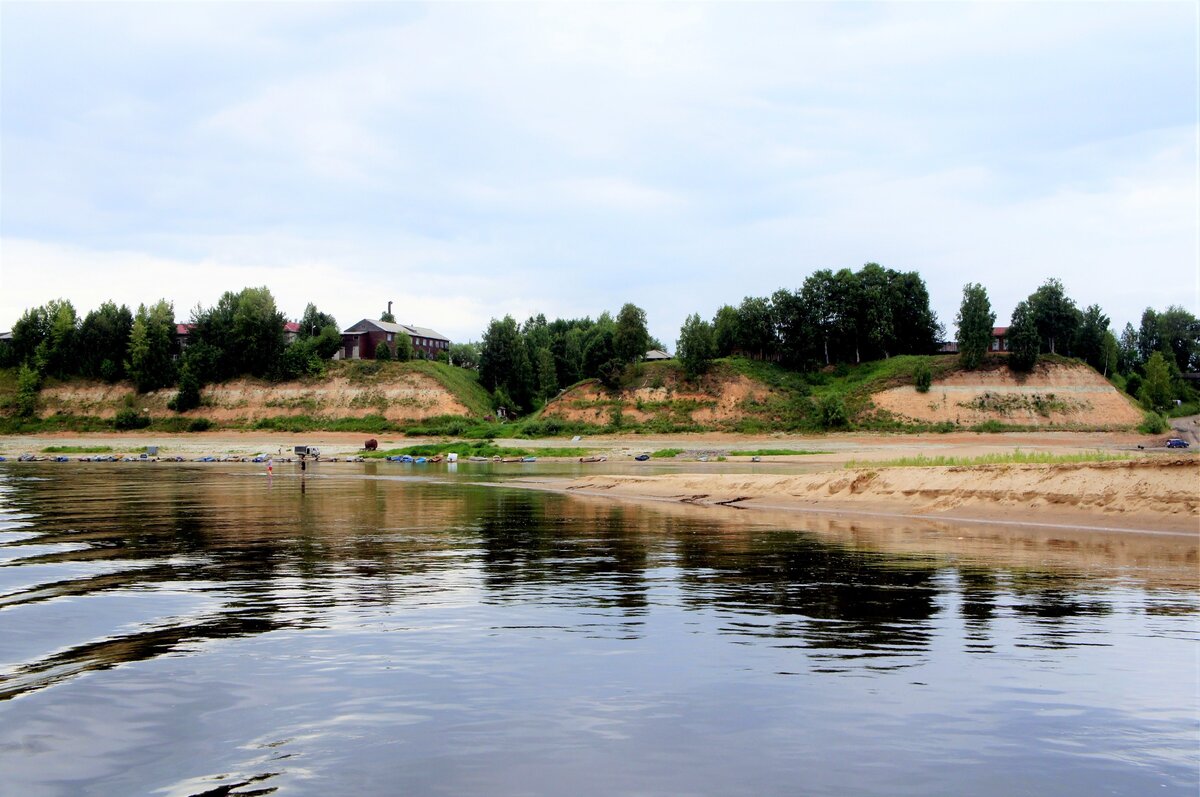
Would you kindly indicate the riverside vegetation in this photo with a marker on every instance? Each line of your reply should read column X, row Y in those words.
column 817, row 353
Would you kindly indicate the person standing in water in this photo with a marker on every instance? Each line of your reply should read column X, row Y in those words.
column 270, row 466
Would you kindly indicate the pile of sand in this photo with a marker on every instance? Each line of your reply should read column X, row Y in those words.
column 1146, row 493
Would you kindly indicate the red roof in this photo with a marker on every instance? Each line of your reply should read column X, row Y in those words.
column 999, row 332
column 184, row 329
column 291, row 326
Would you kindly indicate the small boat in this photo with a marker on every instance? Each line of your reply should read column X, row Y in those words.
column 477, row 459
column 594, row 459
column 420, row 461
column 436, row 458
column 512, row 459
column 756, row 459
column 642, row 457
column 529, row 459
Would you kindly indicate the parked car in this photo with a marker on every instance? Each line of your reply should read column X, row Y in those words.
column 308, row 451
column 1176, row 442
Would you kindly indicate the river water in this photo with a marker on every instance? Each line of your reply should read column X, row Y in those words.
column 204, row 630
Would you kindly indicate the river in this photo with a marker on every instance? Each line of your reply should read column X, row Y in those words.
column 377, row 629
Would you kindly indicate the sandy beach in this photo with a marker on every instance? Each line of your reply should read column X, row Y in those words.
column 1147, row 495
column 1154, row 491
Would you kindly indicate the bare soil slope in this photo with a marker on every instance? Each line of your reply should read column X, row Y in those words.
column 714, row 399
column 397, row 395
column 1054, row 393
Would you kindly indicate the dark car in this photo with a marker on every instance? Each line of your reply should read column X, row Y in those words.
column 1175, row 442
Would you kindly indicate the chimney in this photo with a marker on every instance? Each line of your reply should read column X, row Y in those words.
column 389, row 306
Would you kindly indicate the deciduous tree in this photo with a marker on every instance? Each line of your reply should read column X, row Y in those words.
column 975, row 322
column 696, row 346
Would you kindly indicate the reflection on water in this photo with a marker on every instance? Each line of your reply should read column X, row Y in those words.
column 206, row 630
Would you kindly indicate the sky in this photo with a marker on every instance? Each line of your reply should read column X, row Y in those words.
column 470, row 161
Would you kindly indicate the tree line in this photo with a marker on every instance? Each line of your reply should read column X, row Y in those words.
column 524, row 365
column 835, row 317
column 243, row 333
column 1149, row 362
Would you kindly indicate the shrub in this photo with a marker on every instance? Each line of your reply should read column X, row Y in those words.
column 130, row 418
column 1152, row 423
column 922, row 377
column 29, row 381
column 383, row 352
column 1133, row 384
column 188, row 396
column 832, row 412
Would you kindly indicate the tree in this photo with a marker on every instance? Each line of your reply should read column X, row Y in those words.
column 404, row 347
column 58, row 354
column 817, row 297
column 725, row 330
column 1128, row 354
column 383, row 352
column 630, row 338
column 104, row 338
column 45, row 336
column 188, row 395
column 1089, row 340
column 1024, row 343
column 1055, row 314
column 915, row 325
column 975, row 323
column 1110, row 353
column 696, row 346
column 756, row 327
column 246, row 328
column 464, row 355
column 314, row 321
column 845, row 304
column 1148, row 341
column 544, row 373
column 1179, row 337
column 874, row 312
column 151, row 345
column 1155, row 392
column 794, row 332
column 504, row 364
column 29, row 381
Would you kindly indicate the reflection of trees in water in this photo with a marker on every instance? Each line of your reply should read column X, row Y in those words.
column 846, row 602
column 277, row 557
column 531, row 540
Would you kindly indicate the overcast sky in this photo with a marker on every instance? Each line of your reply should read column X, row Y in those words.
column 471, row 161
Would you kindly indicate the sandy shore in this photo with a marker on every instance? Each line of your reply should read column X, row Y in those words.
column 1155, row 493
column 1152, row 494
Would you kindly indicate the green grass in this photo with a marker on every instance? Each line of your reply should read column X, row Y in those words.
column 1009, row 458
column 462, row 448
column 774, row 452
column 463, row 384
column 77, row 450
column 667, row 453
